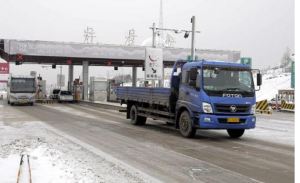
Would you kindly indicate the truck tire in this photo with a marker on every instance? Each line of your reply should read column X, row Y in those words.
column 235, row 133
column 11, row 104
column 185, row 125
column 135, row 118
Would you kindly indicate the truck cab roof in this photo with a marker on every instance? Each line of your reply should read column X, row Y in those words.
column 214, row 63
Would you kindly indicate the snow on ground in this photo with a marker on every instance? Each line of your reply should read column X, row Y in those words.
column 271, row 83
column 53, row 157
column 274, row 129
column 3, row 93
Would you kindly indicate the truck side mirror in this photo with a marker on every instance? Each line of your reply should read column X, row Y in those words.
column 193, row 74
column 259, row 79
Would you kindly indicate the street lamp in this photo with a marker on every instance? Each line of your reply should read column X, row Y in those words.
column 155, row 31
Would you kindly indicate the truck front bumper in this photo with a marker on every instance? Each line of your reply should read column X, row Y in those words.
column 210, row 121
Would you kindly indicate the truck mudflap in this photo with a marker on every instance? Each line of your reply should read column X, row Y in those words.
column 207, row 121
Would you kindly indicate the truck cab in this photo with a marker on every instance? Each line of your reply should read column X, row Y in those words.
column 215, row 95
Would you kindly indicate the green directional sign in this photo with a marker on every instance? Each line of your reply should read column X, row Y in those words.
column 189, row 57
column 293, row 75
column 246, row 60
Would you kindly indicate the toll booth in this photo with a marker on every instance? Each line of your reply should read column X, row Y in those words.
column 77, row 90
column 112, row 90
column 288, row 95
column 98, row 89
column 41, row 90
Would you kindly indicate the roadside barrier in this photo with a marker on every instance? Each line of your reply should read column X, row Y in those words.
column 264, row 112
column 284, row 105
column 262, row 105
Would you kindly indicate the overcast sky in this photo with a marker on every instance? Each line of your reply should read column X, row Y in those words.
column 261, row 29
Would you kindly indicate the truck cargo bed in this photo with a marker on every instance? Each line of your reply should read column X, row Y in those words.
column 142, row 94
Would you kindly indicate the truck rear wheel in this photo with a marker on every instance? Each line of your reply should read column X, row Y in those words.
column 185, row 125
column 135, row 118
column 235, row 133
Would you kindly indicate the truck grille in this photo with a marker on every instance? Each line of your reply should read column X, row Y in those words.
column 240, row 108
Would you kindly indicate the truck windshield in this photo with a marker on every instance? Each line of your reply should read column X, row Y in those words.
column 22, row 85
column 227, row 79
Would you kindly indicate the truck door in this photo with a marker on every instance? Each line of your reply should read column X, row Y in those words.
column 188, row 94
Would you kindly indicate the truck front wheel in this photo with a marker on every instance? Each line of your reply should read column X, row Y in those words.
column 235, row 133
column 185, row 125
column 135, row 118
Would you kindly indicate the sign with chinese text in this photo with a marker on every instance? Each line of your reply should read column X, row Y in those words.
column 4, row 68
column 154, row 64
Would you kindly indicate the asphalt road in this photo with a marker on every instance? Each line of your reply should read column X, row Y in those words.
column 161, row 152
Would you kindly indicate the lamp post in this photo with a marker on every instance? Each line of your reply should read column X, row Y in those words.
column 155, row 31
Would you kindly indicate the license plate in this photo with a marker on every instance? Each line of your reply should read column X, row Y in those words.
column 23, row 102
column 233, row 120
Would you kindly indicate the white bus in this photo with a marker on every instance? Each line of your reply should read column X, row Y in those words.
column 21, row 90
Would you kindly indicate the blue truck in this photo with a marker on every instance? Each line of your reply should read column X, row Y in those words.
column 202, row 95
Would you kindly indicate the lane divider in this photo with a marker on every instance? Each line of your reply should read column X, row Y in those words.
column 262, row 105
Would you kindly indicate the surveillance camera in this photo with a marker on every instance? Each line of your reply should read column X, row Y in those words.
column 186, row 35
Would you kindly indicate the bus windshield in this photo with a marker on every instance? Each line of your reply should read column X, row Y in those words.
column 22, row 85
column 227, row 79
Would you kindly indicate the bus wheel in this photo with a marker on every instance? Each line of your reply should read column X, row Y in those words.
column 135, row 118
column 235, row 133
column 185, row 125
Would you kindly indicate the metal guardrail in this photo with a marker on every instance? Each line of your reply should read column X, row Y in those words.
column 101, row 105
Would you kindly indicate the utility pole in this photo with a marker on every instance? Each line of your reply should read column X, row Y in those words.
column 60, row 77
column 193, row 21
column 154, row 36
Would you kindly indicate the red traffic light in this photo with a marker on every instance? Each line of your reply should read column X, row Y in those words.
column 20, row 57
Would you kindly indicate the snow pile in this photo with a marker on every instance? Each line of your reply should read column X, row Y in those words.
column 272, row 82
column 54, row 158
column 3, row 93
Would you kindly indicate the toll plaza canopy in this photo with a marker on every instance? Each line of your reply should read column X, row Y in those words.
column 48, row 52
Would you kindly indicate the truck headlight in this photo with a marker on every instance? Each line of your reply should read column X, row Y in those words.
column 14, row 98
column 207, row 107
column 253, row 109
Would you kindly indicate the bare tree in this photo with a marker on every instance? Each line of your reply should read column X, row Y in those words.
column 286, row 60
